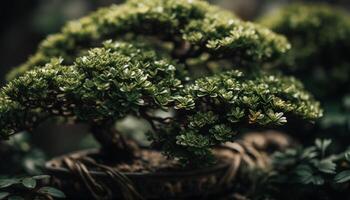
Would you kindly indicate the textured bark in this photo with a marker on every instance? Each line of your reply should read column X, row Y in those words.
column 113, row 144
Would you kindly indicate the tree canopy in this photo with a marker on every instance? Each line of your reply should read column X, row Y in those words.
column 76, row 75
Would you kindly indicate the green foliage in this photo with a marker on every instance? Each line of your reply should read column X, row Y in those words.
column 76, row 76
column 320, row 38
column 18, row 156
column 106, row 84
column 28, row 188
column 311, row 172
column 207, row 28
column 224, row 104
column 309, row 165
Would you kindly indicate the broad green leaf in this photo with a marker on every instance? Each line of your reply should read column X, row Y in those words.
column 342, row 177
column 326, row 166
column 8, row 182
column 52, row 192
column 347, row 155
column 3, row 195
column 29, row 182
column 304, row 174
column 309, row 153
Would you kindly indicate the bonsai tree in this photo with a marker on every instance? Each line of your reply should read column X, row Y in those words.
column 149, row 65
column 320, row 38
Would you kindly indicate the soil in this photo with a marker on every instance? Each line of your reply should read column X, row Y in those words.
column 147, row 161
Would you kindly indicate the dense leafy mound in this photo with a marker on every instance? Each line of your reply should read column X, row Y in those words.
column 213, row 110
column 204, row 27
column 76, row 75
column 120, row 79
column 106, row 84
column 320, row 36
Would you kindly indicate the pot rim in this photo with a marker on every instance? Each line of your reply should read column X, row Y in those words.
column 50, row 166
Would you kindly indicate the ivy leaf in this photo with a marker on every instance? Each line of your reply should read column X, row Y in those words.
column 342, row 177
column 52, row 192
column 29, row 182
column 3, row 195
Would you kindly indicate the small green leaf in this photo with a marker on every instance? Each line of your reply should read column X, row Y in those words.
column 8, row 182
column 326, row 166
column 52, row 192
column 342, row 177
column 347, row 155
column 3, row 195
column 322, row 145
column 29, row 183
column 304, row 174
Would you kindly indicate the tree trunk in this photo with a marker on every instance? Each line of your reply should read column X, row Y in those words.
column 113, row 145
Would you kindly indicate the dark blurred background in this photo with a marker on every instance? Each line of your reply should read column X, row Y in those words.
column 24, row 23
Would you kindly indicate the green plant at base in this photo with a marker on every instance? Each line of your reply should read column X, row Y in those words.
column 28, row 188
column 95, row 82
column 310, row 173
column 18, row 156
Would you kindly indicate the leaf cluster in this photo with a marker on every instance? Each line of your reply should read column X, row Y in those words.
column 106, row 84
column 28, row 188
column 312, row 172
column 206, row 28
column 214, row 109
column 77, row 76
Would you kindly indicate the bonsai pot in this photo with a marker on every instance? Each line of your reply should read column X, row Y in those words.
column 162, row 184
